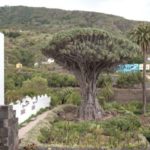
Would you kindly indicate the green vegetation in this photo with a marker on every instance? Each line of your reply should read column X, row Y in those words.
column 117, row 132
column 53, row 20
column 27, row 30
column 19, row 84
column 31, row 87
column 65, row 96
column 12, row 34
column 88, row 52
column 146, row 133
column 132, row 107
column 103, row 80
column 141, row 36
column 129, row 80
column 106, row 92
column 61, row 80
column 122, row 131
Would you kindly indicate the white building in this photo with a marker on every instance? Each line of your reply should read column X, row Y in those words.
column 49, row 61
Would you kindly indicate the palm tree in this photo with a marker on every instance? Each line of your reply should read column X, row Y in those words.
column 141, row 35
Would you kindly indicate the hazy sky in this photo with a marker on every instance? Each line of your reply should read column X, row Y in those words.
column 130, row 9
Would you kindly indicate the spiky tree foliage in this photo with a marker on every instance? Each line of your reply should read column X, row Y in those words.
column 141, row 35
column 87, row 52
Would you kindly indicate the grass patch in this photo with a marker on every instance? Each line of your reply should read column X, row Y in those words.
column 133, row 107
column 121, row 131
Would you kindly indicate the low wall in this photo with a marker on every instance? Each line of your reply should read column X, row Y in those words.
column 58, row 148
column 30, row 106
column 126, row 95
column 8, row 129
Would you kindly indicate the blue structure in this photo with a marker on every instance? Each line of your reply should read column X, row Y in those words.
column 128, row 68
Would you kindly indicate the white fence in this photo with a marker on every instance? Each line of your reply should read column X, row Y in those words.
column 30, row 106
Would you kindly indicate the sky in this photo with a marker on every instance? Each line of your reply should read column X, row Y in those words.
column 130, row 9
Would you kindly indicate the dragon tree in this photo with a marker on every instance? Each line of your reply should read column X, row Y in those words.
column 87, row 52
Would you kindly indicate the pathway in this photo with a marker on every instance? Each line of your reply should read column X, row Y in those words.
column 24, row 130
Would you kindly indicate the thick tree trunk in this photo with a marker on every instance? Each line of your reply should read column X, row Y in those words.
column 89, row 108
column 143, row 84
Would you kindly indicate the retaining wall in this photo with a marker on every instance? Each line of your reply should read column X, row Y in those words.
column 126, row 95
column 30, row 106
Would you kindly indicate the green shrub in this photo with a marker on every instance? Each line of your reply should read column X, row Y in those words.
column 121, row 130
column 55, row 97
column 126, row 80
column 136, row 59
column 64, row 96
column 127, row 123
column 15, row 79
column 9, row 84
column 35, row 86
column 61, row 80
column 13, row 95
column 44, row 136
column 113, row 106
column 110, row 133
column 12, row 34
column 104, row 80
column 105, row 94
column 133, row 107
column 25, row 56
column 146, row 133
column 74, row 98
column 82, row 133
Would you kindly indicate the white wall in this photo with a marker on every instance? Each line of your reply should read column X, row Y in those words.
column 30, row 106
column 1, row 69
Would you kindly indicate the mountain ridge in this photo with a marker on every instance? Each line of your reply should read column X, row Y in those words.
column 28, row 29
column 53, row 20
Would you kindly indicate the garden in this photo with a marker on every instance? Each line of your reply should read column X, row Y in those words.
column 85, row 113
column 123, row 127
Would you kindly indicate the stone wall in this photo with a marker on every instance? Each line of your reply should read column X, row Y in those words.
column 126, row 95
column 8, row 129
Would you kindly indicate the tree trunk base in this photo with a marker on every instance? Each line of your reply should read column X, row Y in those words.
column 90, row 111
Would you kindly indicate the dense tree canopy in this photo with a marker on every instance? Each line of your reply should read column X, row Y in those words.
column 87, row 52
column 89, row 47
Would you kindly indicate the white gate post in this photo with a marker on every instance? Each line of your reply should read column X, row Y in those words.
column 8, row 120
column 1, row 69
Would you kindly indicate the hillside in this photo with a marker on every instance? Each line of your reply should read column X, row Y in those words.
column 52, row 20
column 27, row 29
